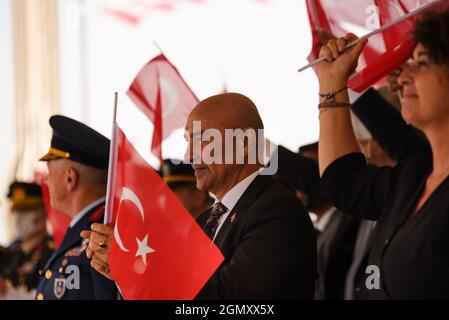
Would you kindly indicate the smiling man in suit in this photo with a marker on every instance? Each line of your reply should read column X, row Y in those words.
column 77, row 176
column 262, row 229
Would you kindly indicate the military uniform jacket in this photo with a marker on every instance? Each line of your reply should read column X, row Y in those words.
column 21, row 268
column 68, row 274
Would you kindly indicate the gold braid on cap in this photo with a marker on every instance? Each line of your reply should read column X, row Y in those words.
column 59, row 153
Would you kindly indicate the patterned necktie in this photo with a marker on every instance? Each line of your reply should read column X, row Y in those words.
column 212, row 222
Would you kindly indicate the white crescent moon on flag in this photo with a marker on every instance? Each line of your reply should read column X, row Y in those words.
column 127, row 194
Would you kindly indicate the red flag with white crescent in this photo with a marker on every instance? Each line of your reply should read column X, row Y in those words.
column 164, row 97
column 159, row 251
column 385, row 50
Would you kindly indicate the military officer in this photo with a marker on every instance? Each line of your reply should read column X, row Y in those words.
column 24, row 257
column 77, row 164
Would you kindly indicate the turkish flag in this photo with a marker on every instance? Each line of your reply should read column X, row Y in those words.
column 159, row 251
column 165, row 98
column 385, row 51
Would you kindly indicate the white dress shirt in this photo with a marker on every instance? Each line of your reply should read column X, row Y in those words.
column 232, row 196
column 81, row 214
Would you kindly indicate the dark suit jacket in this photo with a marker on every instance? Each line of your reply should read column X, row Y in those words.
column 335, row 252
column 336, row 242
column 269, row 247
column 360, row 292
column 71, row 252
column 297, row 171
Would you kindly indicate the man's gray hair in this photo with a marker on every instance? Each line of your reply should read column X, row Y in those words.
column 93, row 177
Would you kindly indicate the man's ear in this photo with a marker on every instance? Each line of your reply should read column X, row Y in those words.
column 71, row 178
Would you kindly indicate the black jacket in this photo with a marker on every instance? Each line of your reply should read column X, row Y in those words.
column 335, row 251
column 269, row 247
column 336, row 243
column 398, row 139
column 412, row 256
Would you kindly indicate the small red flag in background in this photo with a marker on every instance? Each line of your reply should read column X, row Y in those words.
column 159, row 251
column 134, row 12
column 59, row 221
column 161, row 93
column 385, row 51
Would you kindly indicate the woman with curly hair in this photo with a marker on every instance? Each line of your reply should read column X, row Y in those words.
column 411, row 201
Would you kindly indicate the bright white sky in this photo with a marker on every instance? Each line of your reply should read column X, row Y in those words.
column 254, row 47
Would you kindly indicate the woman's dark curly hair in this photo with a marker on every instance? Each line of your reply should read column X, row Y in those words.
column 432, row 31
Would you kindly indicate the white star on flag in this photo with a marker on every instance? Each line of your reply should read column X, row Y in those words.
column 143, row 249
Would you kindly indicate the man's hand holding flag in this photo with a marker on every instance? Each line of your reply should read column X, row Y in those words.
column 154, row 249
column 100, row 240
